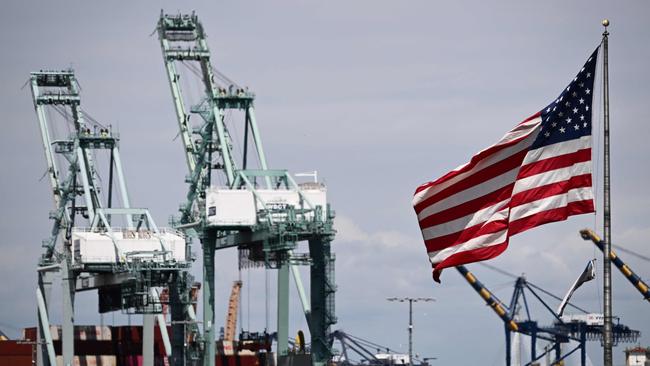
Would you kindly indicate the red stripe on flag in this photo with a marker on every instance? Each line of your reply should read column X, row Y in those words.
column 475, row 179
column 477, row 158
column 464, row 235
column 467, row 208
column 556, row 214
column 530, row 118
column 551, row 189
column 556, row 162
column 469, row 256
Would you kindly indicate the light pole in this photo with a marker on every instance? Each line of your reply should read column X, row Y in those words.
column 411, row 300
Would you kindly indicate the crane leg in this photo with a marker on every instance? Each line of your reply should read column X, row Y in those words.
column 45, row 355
column 178, row 316
column 148, row 324
column 208, row 301
column 322, row 299
column 67, row 332
column 508, row 347
column 283, row 308
column 583, row 346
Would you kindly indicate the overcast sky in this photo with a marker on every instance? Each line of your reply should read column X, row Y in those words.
column 379, row 97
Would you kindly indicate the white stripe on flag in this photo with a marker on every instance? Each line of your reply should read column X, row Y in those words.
column 552, row 176
column 552, row 202
column 558, row 149
column 477, row 242
column 454, row 226
column 471, row 193
column 489, row 160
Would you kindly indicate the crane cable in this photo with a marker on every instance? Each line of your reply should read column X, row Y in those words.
column 631, row 252
column 89, row 117
column 506, row 273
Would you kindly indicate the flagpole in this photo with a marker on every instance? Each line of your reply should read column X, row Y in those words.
column 607, row 272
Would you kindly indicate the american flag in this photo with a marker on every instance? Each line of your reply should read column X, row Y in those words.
column 539, row 172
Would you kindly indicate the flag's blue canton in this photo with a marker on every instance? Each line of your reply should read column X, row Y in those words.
column 569, row 116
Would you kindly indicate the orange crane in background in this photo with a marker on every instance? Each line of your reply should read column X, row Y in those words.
column 233, row 305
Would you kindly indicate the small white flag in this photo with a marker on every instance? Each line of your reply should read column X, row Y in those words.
column 587, row 275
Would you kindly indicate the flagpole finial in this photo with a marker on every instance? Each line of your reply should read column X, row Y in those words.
column 605, row 23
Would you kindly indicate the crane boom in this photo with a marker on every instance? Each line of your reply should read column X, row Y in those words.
column 488, row 297
column 635, row 280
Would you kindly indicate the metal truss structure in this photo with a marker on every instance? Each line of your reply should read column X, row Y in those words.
column 363, row 349
column 358, row 351
column 560, row 332
column 96, row 243
column 276, row 212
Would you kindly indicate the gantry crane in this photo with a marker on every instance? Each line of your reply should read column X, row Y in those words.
column 578, row 328
column 261, row 211
column 96, row 243
column 632, row 277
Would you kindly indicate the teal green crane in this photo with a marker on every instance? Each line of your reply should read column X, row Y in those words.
column 128, row 277
column 274, row 230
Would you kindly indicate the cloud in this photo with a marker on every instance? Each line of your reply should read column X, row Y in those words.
column 348, row 231
column 384, row 240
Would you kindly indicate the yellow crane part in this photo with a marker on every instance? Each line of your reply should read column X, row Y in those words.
column 635, row 280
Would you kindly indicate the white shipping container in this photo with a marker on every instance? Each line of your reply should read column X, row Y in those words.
column 240, row 208
column 317, row 197
column 280, row 199
column 393, row 358
column 98, row 247
column 230, row 207
column 90, row 360
column 589, row 319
